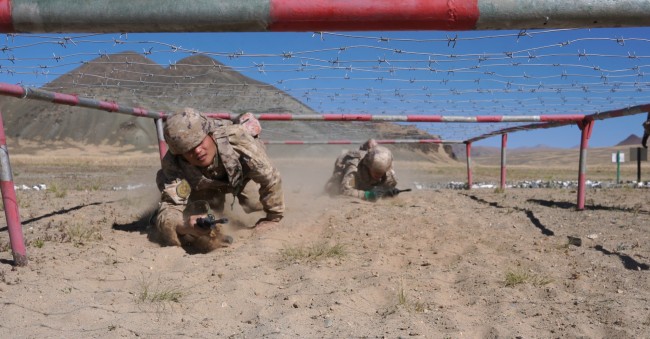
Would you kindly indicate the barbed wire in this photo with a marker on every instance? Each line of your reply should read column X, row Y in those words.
column 565, row 71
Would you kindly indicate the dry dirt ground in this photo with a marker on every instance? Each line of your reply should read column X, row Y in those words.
column 427, row 264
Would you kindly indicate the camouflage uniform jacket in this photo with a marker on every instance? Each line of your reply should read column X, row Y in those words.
column 242, row 156
column 355, row 176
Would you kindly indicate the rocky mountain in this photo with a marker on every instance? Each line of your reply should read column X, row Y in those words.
column 197, row 81
column 632, row 140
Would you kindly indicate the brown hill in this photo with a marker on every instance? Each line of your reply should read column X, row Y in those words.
column 197, row 81
column 632, row 140
column 134, row 80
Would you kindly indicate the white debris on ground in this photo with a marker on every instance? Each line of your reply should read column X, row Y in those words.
column 457, row 185
column 43, row 187
column 128, row 187
column 23, row 187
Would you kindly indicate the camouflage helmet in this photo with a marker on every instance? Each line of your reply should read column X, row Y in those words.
column 185, row 130
column 379, row 159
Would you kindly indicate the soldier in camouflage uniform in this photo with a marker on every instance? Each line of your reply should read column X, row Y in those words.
column 207, row 159
column 365, row 174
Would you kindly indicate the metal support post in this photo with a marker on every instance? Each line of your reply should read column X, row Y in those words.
column 504, row 142
column 586, row 127
column 468, row 150
column 10, row 202
column 162, row 146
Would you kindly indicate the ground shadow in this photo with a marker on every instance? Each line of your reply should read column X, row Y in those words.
column 64, row 211
column 557, row 204
column 529, row 214
column 569, row 205
column 628, row 262
column 140, row 225
column 8, row 262
column 483, row 201
column 537, row 223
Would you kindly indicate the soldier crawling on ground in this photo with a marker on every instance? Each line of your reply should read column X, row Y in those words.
column 365, row 174
column 207, row 159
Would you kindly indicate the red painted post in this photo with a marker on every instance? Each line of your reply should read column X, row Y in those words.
column 162, row 146
column 586, row 126
column 504, row 141
column 468, row 150
column 10, row 202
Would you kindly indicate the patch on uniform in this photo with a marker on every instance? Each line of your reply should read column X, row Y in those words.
column 183, row 189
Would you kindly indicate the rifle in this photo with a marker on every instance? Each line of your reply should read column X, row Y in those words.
column 210, row 222
column 389, row 192
column 395, row 191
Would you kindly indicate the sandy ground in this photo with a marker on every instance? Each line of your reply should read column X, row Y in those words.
column 427, row 264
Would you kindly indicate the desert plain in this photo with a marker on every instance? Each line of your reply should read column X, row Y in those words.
column 431, row 263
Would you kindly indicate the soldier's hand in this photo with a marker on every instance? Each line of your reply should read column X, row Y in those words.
column 195, row 229
column 188, row 227
column 192, row 219
column 370, row 195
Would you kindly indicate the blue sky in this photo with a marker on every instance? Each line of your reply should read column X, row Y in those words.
column 396, row 73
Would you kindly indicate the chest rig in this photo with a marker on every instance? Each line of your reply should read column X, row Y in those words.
column 228, row 157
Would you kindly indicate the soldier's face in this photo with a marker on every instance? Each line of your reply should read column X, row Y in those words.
column 203, row 154
column 376, row 175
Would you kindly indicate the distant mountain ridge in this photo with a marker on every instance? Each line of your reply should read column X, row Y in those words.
column 632, row 140
column 197, row 81
column 134, row 80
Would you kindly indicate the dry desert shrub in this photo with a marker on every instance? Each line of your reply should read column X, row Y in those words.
column 150, row 291
column 80, row 234
column 410, row 305
column 317, row 251
column 514, row 278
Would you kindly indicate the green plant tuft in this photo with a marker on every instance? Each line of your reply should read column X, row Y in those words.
column 156, row 292
column 314, row 252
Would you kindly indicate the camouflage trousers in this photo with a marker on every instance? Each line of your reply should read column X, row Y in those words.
column 333, row 185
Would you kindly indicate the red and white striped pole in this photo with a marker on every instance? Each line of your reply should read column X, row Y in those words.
column 567, row 118
column 25, row 92
column 10, row 202
column 355, row 142
column 552, row 121
column 40, row 16
column 468, row 151
column 162, row 145
column 504, row 142
column 586, row 127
